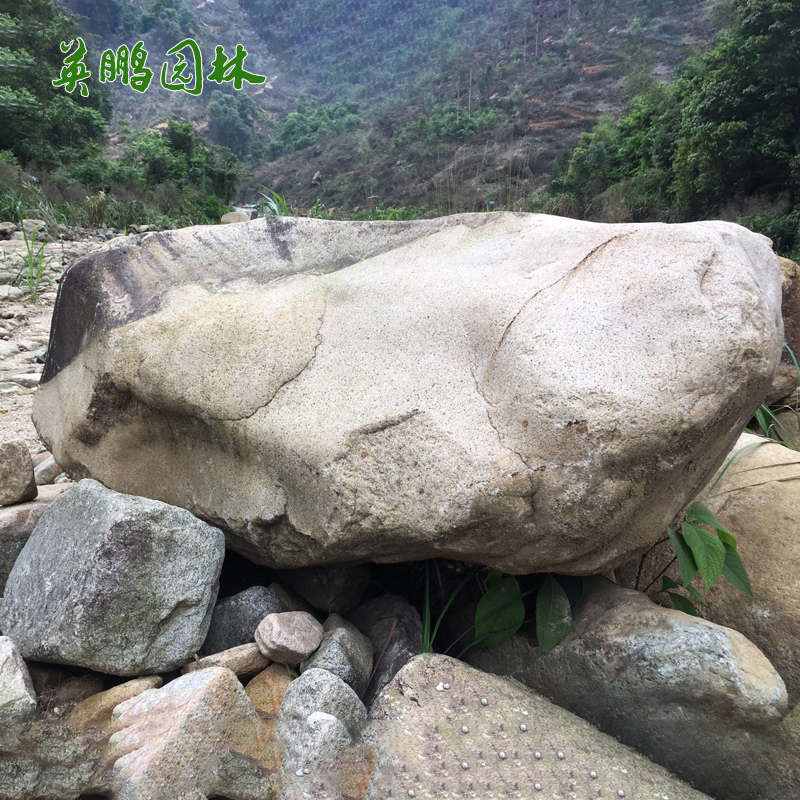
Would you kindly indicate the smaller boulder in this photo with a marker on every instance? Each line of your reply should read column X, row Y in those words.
column 345, row 652
column 246, row 659
column 236, row 618
column 17, row 696
column 46, row 472
column 290, row 637
column 17, row 483
column 115, row 583
column 394, row 627
column 232, row 217
column 331, row 589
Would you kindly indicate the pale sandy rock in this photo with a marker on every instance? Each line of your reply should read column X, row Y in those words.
column 95, row 711
column 246, row 659
column 493, row 747
column 289, row 637
column 17, row 484
column 758, row 500
column 267, row 689
column 46, row 472
column 232, row 217
column 17, row 523
column 486, row 387
column 169, row 742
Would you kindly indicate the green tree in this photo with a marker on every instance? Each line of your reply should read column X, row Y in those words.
column 42, row 123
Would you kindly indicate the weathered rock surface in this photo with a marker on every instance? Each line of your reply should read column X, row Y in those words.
column 17, row 698
column 170, row 742
column 320, row 717
column 246, row 659
column 786, row 378
column 334, row 392
column 758, row 500
column 345, row 652
column 393, row 626
column 517, row 744
column 46, row 472
column 696, row 697
column 332, row 589
column 17, row 523
column 118, row 584
column 290, row 637
column 17, row 484
column 236, row 618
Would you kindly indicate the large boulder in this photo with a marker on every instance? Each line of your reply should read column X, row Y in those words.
column 119, row 584
column 696, row 697
column 786, row 378
column 478, row 735
column 529, row 392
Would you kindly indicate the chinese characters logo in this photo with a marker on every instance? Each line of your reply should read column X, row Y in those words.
column 130, row 66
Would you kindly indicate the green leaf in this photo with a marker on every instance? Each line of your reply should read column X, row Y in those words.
column 685, row 558
column 668, row 583
column 681, row 603
column 695, row 592
column 734, row 572
column 708, row 552
column 703, row 515
column 500, row 611
column 553, row 614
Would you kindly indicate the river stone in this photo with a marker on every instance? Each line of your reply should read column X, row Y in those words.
column 17, row 697
column 290, row 637
column 118, row 584
column 170, row 742
column 695, row 697
column 463, row 747
column 236, row 618
column 345, row 652
column 17, row 484
column 17, row 523
column 486, row 387
column 394, row 627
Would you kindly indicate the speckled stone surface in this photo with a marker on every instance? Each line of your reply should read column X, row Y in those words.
column 436, row 739
column 119, row 584
column 529, row 392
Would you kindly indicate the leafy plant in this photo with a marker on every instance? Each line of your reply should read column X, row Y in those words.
column 703, row 546
column 273, row 204
column 34, row 262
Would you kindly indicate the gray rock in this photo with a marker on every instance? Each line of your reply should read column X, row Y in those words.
column 331, row 589
column 8, row 348
column 11, row 292
column 7, row 278
column 345, row 652
column 38, row 225
column 6, row 229
column 320, row 715
column 479, row 425
column 393, row 626
column 17, row 484
column 695, row 697
column 46, row 472
column 236, row 618
column 17, row 523
column 426, row 738
column 115, row 583
column 41, row 355
column 290, row 637
column 17, row 697
column 26, row 379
